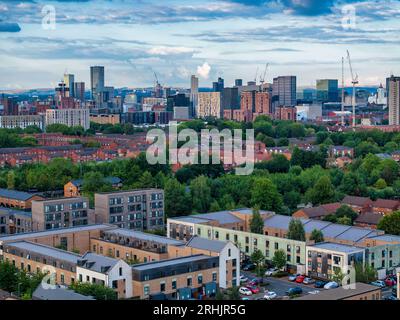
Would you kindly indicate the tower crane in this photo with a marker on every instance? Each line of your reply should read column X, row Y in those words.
column 255, row 78
column 262, row 79
column 354, row 81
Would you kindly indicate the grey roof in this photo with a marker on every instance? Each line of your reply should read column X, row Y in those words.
column 356, row 234
column 112, row 180
column 310, row 225
column 334, row 229
column 222, row 217
column 46, row 251
column 250, row 211
column 169, row 262
column 190, row 219
column 37, row 234
column 57, row 293
column 97, row 263
column 144, row 236
column 385, row 237
column 10, row 212
column 206, row 244
column 337, row 247
column 341, row 293
column 280, row 221
column 17, row 195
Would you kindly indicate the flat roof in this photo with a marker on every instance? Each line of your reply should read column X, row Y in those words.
column 46, row 251
column 386, row 237
column 222, row 217
column 144, row 236
column 9, row 211
column 336, row 247
column 36, row 234
column 58, row 293
column 206, row 244
column 341, row 293
column 169, row 262
column 132, row 190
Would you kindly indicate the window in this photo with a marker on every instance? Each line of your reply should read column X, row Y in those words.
column 247, row 239
column 80, row 278
column 235, row 238
column 229, row 252
column 87, row 278
column 120, row 272
column 189, row 281
column 297, row 259
column 200, row 279
column 276, row 245
column 162, row 286
column 214, row 276
column 115, row 284
column 146, row 290
column 227, row 237
column 174, row 284
column 199, row 231
column 216, row 234
column 267, row 244
column 62, row 279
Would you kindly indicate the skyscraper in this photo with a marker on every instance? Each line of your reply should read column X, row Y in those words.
column 194, row 95
column 79, row 91
column 393, row 88
column 219, row 85
column 327, row 90
column 238, row 82
column 96, row 81
column 284, row 92
column 69, row 80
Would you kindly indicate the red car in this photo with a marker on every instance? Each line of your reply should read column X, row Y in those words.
column 253, row 289
column 390, row 282
column 300, row 279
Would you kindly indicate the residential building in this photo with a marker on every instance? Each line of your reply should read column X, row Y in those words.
column 286, row 113
column 319, row 212
column 79, row 91
column 61, row 213
column 209, row 105
column 141, row 209
column 73, row 188
column 57, row 293
column 21, row 121
column 15, row 221
column 194, row 93
column 10, row 105
column 393, row 99
column 69, row 117
column 17, row 199
column 105, row 118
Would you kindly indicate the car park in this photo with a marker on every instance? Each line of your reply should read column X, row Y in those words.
column 331, row 285
column 294, row 290
column 293, row 277
column 379, row 283
column 319, row 284
column 270, row 295
column 249, row 267
column 245, row 291
column 253, row 289
column 270, row 272
column 314, row 292
column 254, row 282
column 243, row 278
column 389, row 281
column 300, row 279
column 308, row 280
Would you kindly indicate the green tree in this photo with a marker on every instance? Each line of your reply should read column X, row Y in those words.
column 98, row 291
column 279, row 259
column 8, row 276
column 365, row 273
column 146, row 180
column 233, row 293
column 323, row 192
column 390, row 223
column 11, row 180
column 258, row 259
column 337, row 275
column 265, row 196
column 380, row 184
column 201, row 194
column 346, row 211
column 296, row 230
column 344, row 220
column 256, row 222
column 317, row 236
column 177, row 200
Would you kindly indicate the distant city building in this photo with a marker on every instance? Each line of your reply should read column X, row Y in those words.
column 327, row 90
column 284, row 92
column 230, row 101
column 105, row 118
column 10, row 105
column 209, row 105
column 194, row 95
column 69, row 80
column 379, row 98
column 181, row 113
column 262, row 104
column 394, row 100
column 178, row 100
column 285, row 113
column 68, row 117
column 238, row 82
column 97, row 83
column 79, row 91
column 308, row 112
column 22, row 121
column 219, row 85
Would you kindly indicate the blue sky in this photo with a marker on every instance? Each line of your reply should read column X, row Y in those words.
column 231, row 38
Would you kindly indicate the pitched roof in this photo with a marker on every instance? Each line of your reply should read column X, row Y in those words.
column 222, row 217
column 113, row 180
column 385, row 203
column 337, row 247
column 321, row 211
column 206, row 244
column 57, row 293
column 356, row 201
column 97, row 263
column 16, row 195
column 369, row 218
column 170, row 262
column 144, row 236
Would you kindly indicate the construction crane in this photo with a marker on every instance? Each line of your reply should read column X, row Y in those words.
column 255, row 78
column 155, row 76
column 262, row 79
column 354, row 81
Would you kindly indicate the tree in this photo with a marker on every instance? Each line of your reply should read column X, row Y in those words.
column 214, row 207
column 265, row 196
column 380, row 184
column 317, row 236
column 390, row 223
column 177, row 200
column 8, row 276
column 146, row 180
column 11, row 180
column 365, row 273
column 346, row 211
column 296, row 230
column 233, row 293
column 256, row 222
column 338, row 275
column 201, row 194
column 98, row 291
column 258, row 258
column 279, row 259
column 344, row 220
column 323, row 192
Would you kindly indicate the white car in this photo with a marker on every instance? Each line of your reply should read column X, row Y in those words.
column 270, row 272
column 245, row 291
column 270, row 295
column 243, row 278
column 331, row 285
column 314, row 292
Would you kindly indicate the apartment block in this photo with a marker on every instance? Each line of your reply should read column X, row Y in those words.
column 17, row 199
column 132, row 209
column 61, row 213
column 209, row 105
column 69, row 117
column 21, row 121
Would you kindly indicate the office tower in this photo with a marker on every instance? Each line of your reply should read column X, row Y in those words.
column 284, row 92
column 178, row 100
column 230, row 101
column 69, row 80
column 219, row 85
column 327, row 90
column 194, row 92
column 209, row 105
column 10, row 105
column 79, row 91
column 238, row 82
column 96, row 81
column 394, row 100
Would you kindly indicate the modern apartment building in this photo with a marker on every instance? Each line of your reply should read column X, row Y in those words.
column 194, row 95
column 284, row 92
column 69, row 117
column 61, row 213
column 393, row 87
column 21, row 121
column 209, row 105
column 15, row 221
column 132, row 209
column 327, row 90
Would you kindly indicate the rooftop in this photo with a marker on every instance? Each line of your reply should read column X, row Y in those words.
column 223, row 217
column 356, row 201
column 169, row 262
column 16, row 195
column 341, row 293
column 206, row 244
column 144, row 236
column 132, row 190
column 386, row 237
column 97, row 263
column 336, row 247
column 9, row 211
column 57, row 293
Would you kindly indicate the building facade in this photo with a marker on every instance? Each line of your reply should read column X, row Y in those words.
column 209, row 105
column 68, row 117
column 22, row 121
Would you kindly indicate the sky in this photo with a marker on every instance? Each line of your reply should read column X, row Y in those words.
column 134, row 39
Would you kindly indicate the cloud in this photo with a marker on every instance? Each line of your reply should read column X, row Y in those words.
column 164, row 51
column 204, row 70
column 9, row 27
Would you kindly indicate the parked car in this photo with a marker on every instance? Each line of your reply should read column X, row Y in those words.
column 253, row 289
column 331, row 285
column 314, row 292
column 293, row 291
column 293, row 277
column 254, row 282
column 391, row 298
column 379, row 283
column 319, row 284
column 390, row 281
column 243, row 278
column 270, row 272
column 300, row 279
column 270, row 295
column 308, row 280
column 245, row 291
column 249, row 267
column 244, row 298
column 394, row 292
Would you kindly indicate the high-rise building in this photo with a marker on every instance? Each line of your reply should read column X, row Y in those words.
column 69, row 117
column 393, row 99
column 96, row 81
column 262, row 104
column 284, row 92
column 209, row 105
column 79, row 91
column 230, row 101
column 327, row 90
column 69, row 80
column 194, row 95
column 10, row 105
column 238, row 82
column 219, row 85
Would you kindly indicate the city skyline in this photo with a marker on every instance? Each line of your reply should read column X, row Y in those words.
column 175, row 40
